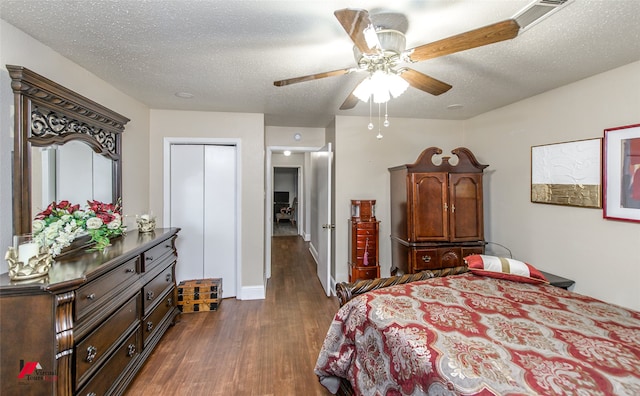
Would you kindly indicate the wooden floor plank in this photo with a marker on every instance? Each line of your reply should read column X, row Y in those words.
column 261, row 347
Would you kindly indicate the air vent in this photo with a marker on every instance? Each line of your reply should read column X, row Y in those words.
column 537, row 11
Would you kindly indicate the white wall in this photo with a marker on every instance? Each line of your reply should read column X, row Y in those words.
column 17, row 48
column 362, row 163
column 602, row 256
column 247, row 127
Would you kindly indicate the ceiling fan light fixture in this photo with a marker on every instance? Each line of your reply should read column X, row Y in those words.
column 381, row 85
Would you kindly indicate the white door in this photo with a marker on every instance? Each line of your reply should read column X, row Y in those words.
column 321, row 163
column 202, row 203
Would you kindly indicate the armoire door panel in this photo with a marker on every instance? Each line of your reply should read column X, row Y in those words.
column 466, row 219
column 429, row 205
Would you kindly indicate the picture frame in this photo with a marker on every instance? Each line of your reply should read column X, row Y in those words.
column 621, row 173
column 567, row 173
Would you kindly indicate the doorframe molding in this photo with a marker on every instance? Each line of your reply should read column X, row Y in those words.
column 166, row 196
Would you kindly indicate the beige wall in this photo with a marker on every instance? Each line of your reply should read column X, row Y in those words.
column 284, row 137
column 362, row 161
column 602, row 256
column 249, row 128
column 17, row 48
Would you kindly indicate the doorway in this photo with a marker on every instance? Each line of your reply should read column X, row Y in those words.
column 285, row 201
column 201, row 198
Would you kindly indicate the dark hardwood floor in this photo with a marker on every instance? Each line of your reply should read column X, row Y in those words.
column 260, row 347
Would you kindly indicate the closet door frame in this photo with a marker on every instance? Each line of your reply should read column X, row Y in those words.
column 168, row 142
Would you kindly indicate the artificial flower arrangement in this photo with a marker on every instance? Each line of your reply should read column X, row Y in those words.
column 60, row 223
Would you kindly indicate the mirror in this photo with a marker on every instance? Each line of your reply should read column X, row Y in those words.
column 73, row 172
column 65, row 147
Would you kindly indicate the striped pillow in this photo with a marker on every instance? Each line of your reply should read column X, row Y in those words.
column 504, row 268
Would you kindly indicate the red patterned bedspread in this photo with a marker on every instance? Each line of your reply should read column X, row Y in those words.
column 474, row 335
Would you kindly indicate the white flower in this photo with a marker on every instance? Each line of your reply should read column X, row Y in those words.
column 94, row 223
column 38, row 226
column 115, row 224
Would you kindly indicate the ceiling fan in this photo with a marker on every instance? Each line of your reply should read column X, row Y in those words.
column 379, row 50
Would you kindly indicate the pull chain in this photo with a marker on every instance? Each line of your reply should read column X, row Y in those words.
column 379, row 132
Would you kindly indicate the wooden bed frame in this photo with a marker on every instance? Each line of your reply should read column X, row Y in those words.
column 347, row 291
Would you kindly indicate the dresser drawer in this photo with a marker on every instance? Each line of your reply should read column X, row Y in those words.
column 156, row 254
column 92, row 350
column 151, row 322
column 96, row 292
column 117, row 364
column 358, row 273
column 364, row 233
column 426, row 259
column 156, row 288
column 468, row 251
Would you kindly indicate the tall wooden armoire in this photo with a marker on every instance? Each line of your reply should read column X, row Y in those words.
column 436, row 211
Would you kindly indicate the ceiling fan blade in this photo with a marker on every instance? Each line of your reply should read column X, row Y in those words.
column 350, row 102
column 354, row 22
column 312, row 77
column 424, row 82
column 490, row 34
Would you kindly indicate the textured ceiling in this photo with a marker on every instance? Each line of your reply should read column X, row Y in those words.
column 228, row 53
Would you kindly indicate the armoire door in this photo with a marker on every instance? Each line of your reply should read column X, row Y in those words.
column 203, row 205
column 427, row 207
column 465, row 199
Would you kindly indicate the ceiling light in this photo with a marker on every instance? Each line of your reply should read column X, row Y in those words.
column 297, row 137
column 381, row 85
column 287, row 153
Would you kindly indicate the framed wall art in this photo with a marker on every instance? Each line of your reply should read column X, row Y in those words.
column 621, row 173
column 567, row 173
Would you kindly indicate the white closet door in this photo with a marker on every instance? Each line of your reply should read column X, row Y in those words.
column 203, row 199
column 187, row 208
column 219, row 216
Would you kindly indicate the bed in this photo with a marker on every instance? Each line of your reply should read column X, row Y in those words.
column 470, row 334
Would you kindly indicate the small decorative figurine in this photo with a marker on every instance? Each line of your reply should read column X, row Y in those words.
column 146, row 223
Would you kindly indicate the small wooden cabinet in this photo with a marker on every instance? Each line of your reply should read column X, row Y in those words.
column 363, row 241
column 89, row 326
column 436, row 212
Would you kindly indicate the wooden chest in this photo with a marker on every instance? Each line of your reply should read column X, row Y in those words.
column 199, row 295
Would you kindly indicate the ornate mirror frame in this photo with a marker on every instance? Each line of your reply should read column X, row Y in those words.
column 47, row 113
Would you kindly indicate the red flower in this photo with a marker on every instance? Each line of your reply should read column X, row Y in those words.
column 105, row 217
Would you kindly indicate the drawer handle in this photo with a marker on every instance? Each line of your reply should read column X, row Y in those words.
column 168, row 277
column 130, row 270
column 426, row 258
column 149, row 326
column 148, row 258
column 150, row 295
column 131, row 350
column 91, row 353
column 91, row 296
column 169, row 301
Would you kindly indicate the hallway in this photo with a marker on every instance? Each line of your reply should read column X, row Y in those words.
column 260, row 347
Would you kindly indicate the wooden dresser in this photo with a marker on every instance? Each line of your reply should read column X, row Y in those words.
column 363, row 241
column 88, row 327
column 436, row 212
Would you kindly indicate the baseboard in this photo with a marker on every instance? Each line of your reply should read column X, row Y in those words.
column 314, row 253
column 253, row 293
